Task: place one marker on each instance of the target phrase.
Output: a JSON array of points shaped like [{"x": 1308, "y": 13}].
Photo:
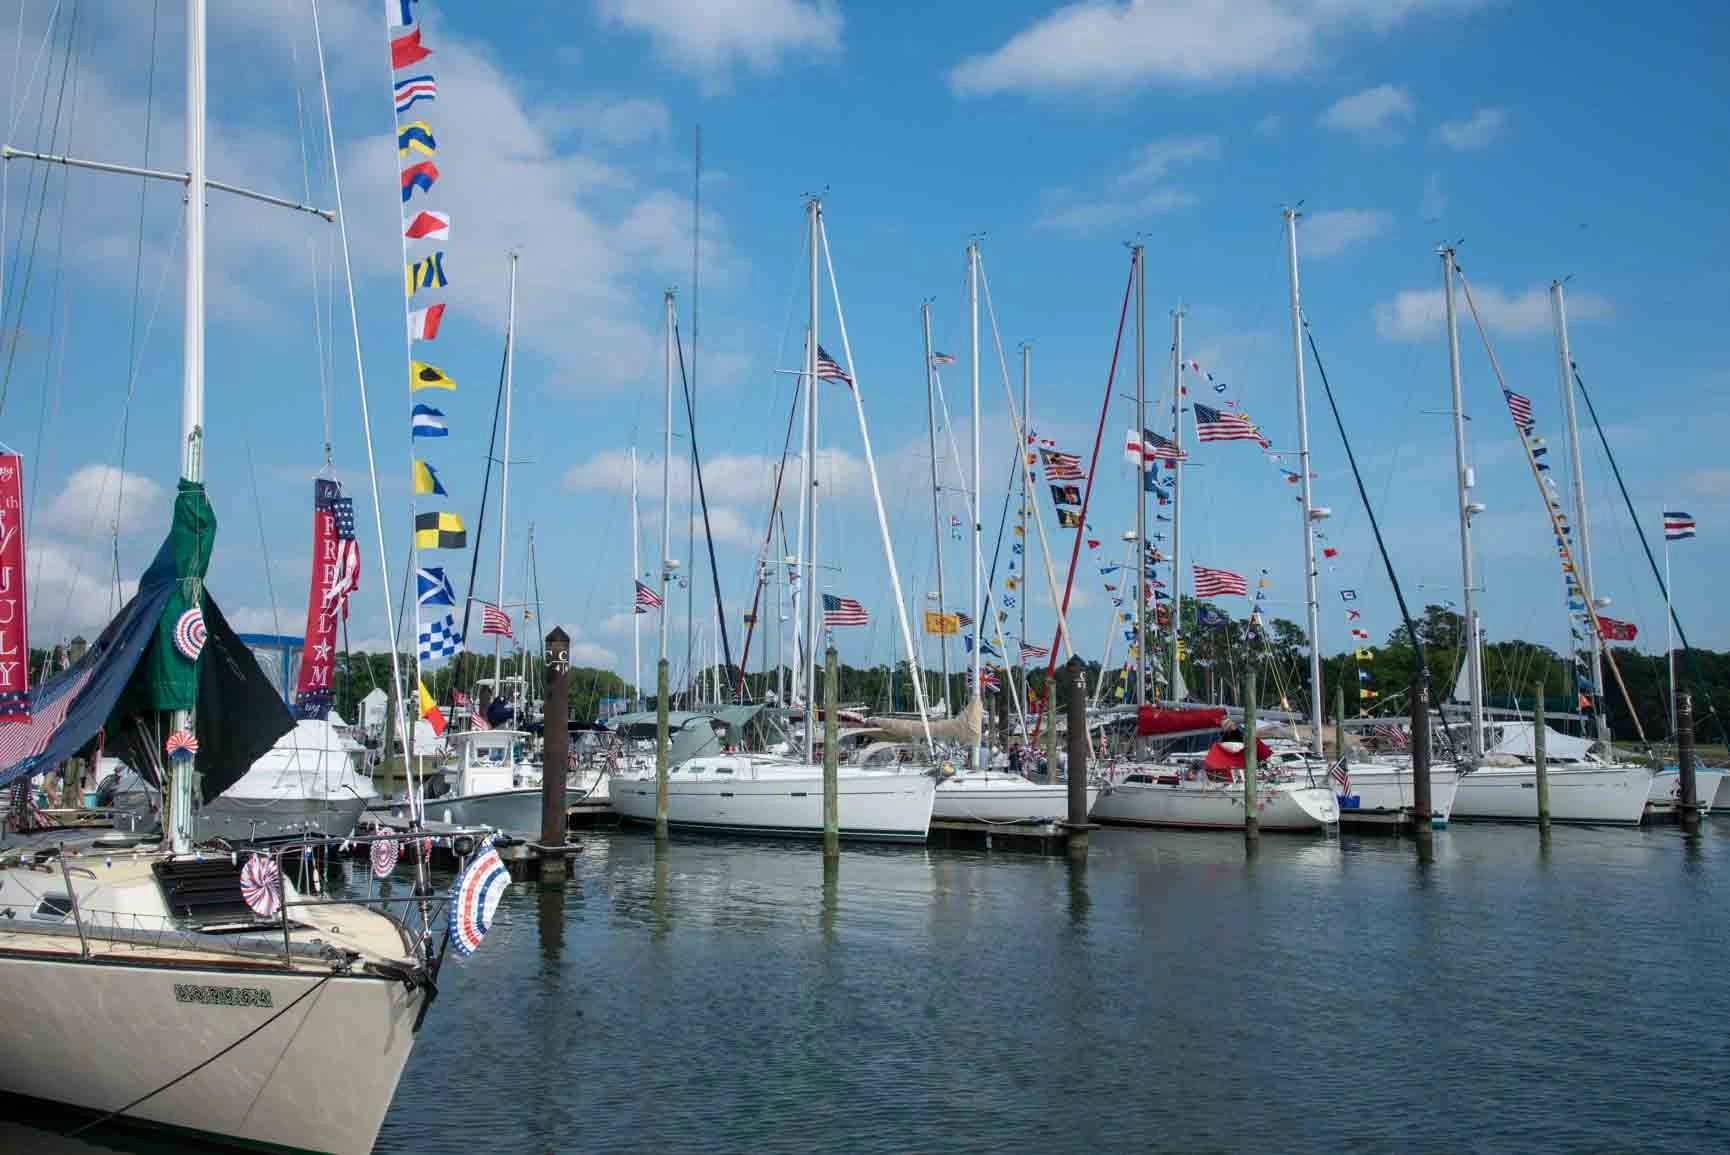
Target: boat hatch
[
  {"x": 207, "y": 891},
  {"x": 53, "y": 908}
]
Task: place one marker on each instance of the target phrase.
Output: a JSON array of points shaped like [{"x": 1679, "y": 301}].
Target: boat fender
[{"x": 947, "y": 770}]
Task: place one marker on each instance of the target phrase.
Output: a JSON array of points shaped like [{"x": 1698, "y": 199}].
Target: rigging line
[
  {"x": 1375, "y": 525},
  {"x": 187, "y": 1074},
  {"x": 1657, "y": 575},
  {"x": 263, "y": 541},
  {"x": 137, "y": 279},
  {"x": 326, "y": 385},
  {"x": 16, "y": 112},
  {"x": 702, "y": 494},
  {"x": 481, "y": 519},
  {"x": 41, "y": 200},
  {"x": 1563, "y": 548},
  {"x": 768, "y": 544},
  {"x": 1086, "y": 499}
]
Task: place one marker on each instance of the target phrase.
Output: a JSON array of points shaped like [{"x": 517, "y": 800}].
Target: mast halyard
[
  {"x": 1138, "y": 257},
  {"x": 1310, "y": 513},
  {"x": 636, "y": 611},
  {"x": 1577, "y": 484},
  {"x": 936, "y": 490},
  {"x": 505, "y": 474},
  {"x": 1463, "y": 479}
]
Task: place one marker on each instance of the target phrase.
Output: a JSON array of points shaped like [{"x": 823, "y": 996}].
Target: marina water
[{"x": 1167, "y": 995}]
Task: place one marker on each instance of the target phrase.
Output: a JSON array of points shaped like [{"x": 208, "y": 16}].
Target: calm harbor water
[{"x": 1167, "y": 995}]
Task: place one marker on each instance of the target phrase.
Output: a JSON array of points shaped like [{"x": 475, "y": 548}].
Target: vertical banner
[
  {"x": 14, "y": 627},
  {"x": 312, "y": 692}
]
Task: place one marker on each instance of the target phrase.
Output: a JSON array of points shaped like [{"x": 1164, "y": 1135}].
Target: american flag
[
  {"x": 1394, "y": 735},
  {"x": 1341, "y": 776},
  {"x": 1150, "y": 446},
  {"x": 647, "y": 599},
  {"x": 843, "y": 612},
  {"x": 1213, "y": 583},
  {"x": 20, "y": 741},
  {"x": 347, "y": 579},
  {"x": 458, "y": 698},
  {"x": 942, "y": 359},
  {"x": 1677, "y": 525},
  {"x": 1061, "y": 466},
  {"x": 1032, "y": 650},
  {"x": 1212, "y": 425},
  {"x": 1521, "y": 407},
  {"x": 828, "y": 370},
  {"x": 495, "y": 621}
]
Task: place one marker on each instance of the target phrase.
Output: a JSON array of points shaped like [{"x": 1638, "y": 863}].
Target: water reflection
[
  {"x": 550, "y": 918},
  {"x": 831, "y": 896},
  {"x": 1079, "y": 902}
]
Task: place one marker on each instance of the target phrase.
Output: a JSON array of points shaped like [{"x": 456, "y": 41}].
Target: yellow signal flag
[
  {"x": 424, "y": 376},
  {"x": 1367, "y": 693},
  {"x": 1364, "y": 654},
  {"x": 439, "y": 531},
  {"x": 942, "y": 625}
]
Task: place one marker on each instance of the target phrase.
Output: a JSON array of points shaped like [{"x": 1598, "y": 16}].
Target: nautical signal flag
[
  {"x": 429, "y": 226},
  {"x": 399, "y": 13},
  {"x": 422, "y": 176},
  {"x": 942, "y": 625},
  {"x": 423, "y": 324},
  {"x": 1364, "y": 654},
  {"x": 439, "y": 531},
  {"x": 1069, "y": 519},
  {"x": 1677, "y": 525},
  {"x": 412, "y": 89},
  {"x": 416, "y": 136},
  {"x": 429, "y": 422},
  {"x": 1066, "y": 494},
  {"x": 433, "y": 588},
  {"x": 426, "y": 480},
  {"x": 424, "y": 376},
  {"x": 429, "y": 710},
  {"x": 426, "y": 273},
  {"x": 406, "y": 50},
  {"x": 495, "y": 621}
]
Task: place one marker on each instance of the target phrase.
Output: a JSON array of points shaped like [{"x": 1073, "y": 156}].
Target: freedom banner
[{"x": 14, "y": 626}]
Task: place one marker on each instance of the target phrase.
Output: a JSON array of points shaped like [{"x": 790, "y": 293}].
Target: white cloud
[
  {"x": 622, "y": 120},
  {"x": 739, "y": 479},
  {"x": 1373, "y": 111},
  {"x": 84, "y": 509},
  {"x": 707, "y": 38},
  {"x": 592, "y": 654},
  {"x": 71, "y": 592},
  {"x": 1697, "y": 482},
  {"x": 1138, "y": 192},
  {"x": 1418, "y": 314},
  {"x": 1113, "y": 45},
  {"x": 1334, "y": 231},
  {"x": 1485, "y": 126}
]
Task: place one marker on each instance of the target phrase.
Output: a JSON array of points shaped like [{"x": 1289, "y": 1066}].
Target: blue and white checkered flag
[{"x": 439, "y": 639}]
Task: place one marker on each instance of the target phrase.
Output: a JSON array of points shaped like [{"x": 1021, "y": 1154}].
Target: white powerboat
[
  {"x": 765, "y": 794},
  {"x": 1666, "y": 789},
  {"x": 490, "y": 786}
]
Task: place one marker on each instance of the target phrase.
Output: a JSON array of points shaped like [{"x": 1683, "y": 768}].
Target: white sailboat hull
[
  {"x": 513, "y": 812},
  {"x": 1384, "y": 794},
  {"x": 100, "y": 1035},
  {"x": 1588, "y": 794},
  {"x": 877, "y": 807},
  {"x": 1000, "y": 797},
  {"x": 1666, "y": 789},
  {"x": 1210, "y": 806}
]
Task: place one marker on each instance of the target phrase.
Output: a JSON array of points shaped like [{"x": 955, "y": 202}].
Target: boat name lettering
[{"x": 215, "y": 996}]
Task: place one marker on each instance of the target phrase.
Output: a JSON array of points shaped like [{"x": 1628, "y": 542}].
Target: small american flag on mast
[
  {"x": 495, "y": 621},
  {"x": 1213, "y": 583},
  {"x": 829, "y": 370},
  {"x": 1520, "y": 406},
  {"x": 843, "y": 612},
  {"x": 1213, "y": 425},
  {"x": 647, "y": 599},
  {"x": 1033, "y": 650}
]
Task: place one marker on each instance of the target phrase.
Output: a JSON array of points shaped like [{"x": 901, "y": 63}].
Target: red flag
[
  {"x": 1329, "y": 551},
  {"x": 406, "y": 50},
  {"x": 14, "y": 633}
]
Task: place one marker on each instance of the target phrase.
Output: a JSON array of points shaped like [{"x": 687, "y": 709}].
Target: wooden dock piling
[
  {"x": 831, "y": 755},
  {"x": 1251, "y": 815},
  {"x": 1074, "y": 683},
  {"x": 1540, "y": 763},
  {"x": 1421, "y": 754},
  {"x": 551, "y": 851},
  {"x": 1688, "y": 805}
]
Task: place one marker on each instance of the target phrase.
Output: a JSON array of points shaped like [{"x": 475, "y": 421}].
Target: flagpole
[
  {"x": 1137, "y": 255},
  {"x": 1669, "y": 635},
  {"x": 1577, "y": 483},
  {"x": 636, "y": 616},
  {"x": 505, "y": 476},
  {"x": 936, "y": 511},
  {"x": 1462, "y": 479},
  {"x": 1309, "y": 512}
]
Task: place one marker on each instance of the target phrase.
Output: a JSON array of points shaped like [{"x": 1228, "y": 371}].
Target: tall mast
[
  {"x": 192, "y": 381},
  {"x": 936, "y": 510},
  {"x": 1582, "y": 546},
  {"x": 1022, "y": 449},
  {"x": 636, "y": 617},
  {"x": 1175, "y": 682},
  {"x": 1137, "y": 255},
  {"x": 666, "y": 478},
  {"x": 691, "y": 486},
  {"x": 1463, "y": 478},
  {"x": 505, "y": 476},
  {"x": 1303, "y": 413},
  {"x": 973, "y": 506},
  {"x": 808, "y": 566}
]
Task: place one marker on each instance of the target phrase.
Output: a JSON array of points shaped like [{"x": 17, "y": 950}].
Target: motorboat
[{"x": 491, "y": 785}]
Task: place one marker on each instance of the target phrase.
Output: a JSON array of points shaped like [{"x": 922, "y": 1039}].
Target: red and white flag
[
  {"x": 495, "y": 621},
  {"x": 14, "y": 602},
  {"x": 429, "y": 226},
  {"x": 423, "y": 324}
]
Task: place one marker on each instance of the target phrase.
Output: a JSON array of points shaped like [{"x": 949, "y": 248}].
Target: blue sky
[{"x": 1581, "y": 149}]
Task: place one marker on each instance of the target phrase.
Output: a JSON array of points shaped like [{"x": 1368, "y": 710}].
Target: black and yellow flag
[
  {"x": 1069, "y": 519},
  {"x": 439, "y": 531},
  {"x": 424, "y": 376}
]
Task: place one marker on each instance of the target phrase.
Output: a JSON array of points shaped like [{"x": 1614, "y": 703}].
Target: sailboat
[
  {"x": 1503, "y": 784},
  {"x": 745, "y": 793},
  {"x": 168, "y": 983}
]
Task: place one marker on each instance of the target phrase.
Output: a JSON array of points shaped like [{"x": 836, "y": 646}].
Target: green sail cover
[{"x": 168, "y": 677}]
